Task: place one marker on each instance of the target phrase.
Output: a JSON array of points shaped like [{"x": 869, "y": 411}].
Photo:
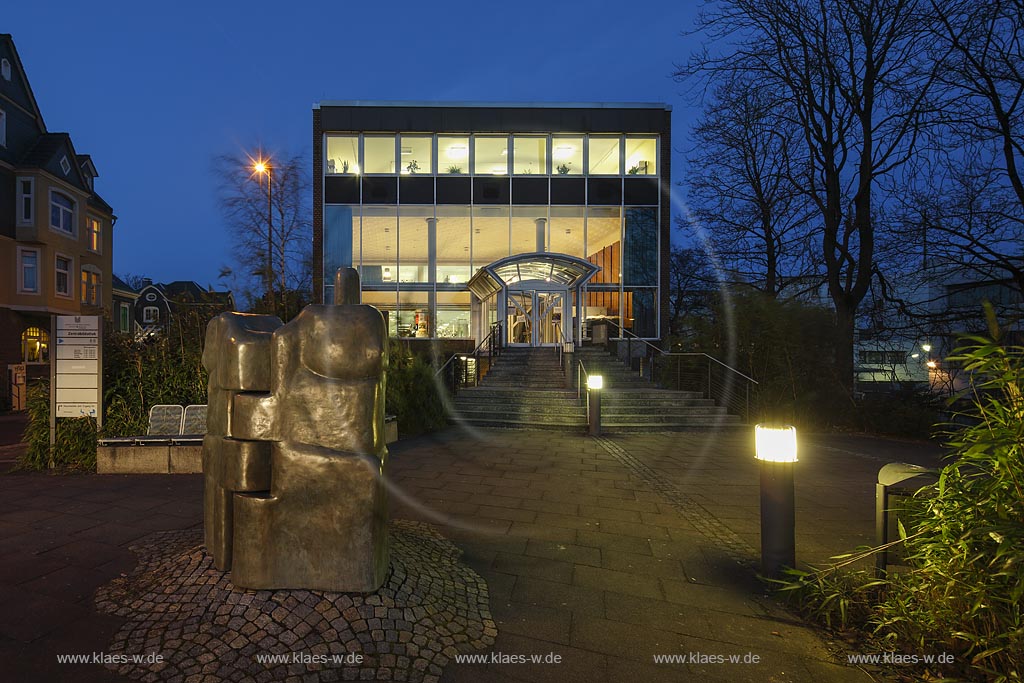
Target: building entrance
[{"x": 534, "y": 318}]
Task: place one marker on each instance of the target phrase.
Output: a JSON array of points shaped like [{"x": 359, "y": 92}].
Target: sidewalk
[{"x": 603, "y": 553}]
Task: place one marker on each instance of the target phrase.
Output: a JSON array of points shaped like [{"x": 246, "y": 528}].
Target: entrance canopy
[{"x": 559, "y": 269}]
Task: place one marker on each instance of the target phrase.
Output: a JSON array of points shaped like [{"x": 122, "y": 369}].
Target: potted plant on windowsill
[
  {"x": 412, "y": 166},
  {"x": 454, "y": 169},
  {"x": 563, "y": 169}
]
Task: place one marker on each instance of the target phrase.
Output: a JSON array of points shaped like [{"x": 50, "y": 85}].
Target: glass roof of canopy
[{"x": 560, "y": 269}]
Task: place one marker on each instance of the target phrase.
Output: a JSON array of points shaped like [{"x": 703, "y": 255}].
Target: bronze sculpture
[{"x": 294, "y": 453}]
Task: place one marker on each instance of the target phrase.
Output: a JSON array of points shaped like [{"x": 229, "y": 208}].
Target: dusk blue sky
[{"x": 153, "y": 91}]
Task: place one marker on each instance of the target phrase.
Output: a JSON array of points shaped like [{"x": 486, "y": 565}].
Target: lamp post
[
  {"x": 263, "y": 167},
  {"x": 775, "y": 449}
]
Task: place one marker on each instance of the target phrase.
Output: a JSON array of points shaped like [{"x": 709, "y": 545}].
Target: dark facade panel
[
  {"x": 491, "y": 190},
  {"x": 380, "y": 190},
  {"x": 604, "y": 191},
  {"x": 341, "y": 189},
  {"x": 492, "y": 119},
  {"x": 416, "y": 190},
  {"x": 530, "y": 191},
  {"x": 454, "y": 190},
  {"x": 568, "y": 191},
  {"x": 641, "y": 191}
]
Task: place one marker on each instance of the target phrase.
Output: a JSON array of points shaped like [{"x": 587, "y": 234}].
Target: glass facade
[{"x": 415, "y": 256}]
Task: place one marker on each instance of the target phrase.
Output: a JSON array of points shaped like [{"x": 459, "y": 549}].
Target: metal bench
[{"x": 169, "y": 425}]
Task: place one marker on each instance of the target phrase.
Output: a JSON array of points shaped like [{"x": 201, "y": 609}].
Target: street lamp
[
  {"x": 261, "y": 167},
  {"x": 775, "y": 449}
]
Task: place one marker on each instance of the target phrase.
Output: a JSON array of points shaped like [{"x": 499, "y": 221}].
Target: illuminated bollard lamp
[
  {"x": 775, "y": 449},
  {"x": 594, "y": 385}
]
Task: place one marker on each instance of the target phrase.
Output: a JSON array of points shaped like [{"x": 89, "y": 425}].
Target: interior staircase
[{"x": 526, "y": 388}]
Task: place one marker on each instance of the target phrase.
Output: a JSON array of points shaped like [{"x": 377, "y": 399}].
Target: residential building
[
  {"x": 123, "y": 310},
  {"x": 157, "y": 303},
  {"x": 463, "y": 218},
  {"x": 56, "y": 232}
]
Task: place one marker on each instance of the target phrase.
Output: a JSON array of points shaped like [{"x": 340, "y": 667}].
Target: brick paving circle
[{"x": 178, "y": 605}]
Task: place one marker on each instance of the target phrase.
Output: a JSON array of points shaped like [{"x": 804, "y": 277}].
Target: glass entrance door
[
  {"x": 534, "y": 318},
  {"x": 519, "y": 322}
]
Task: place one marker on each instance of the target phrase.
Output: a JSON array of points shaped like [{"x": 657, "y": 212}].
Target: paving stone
[
  {"x": 616, "y": 582},
  {"x": 450, "y": 604}
]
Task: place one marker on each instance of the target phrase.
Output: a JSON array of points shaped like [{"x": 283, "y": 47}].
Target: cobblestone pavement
[{"x": 176, "y": 602}]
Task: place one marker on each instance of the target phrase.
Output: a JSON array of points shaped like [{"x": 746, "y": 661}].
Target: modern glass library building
[{"x": 540, "y": 217}]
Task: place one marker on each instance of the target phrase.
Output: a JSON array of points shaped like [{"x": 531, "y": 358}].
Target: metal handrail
[
  {"x": 581, "y": 372},
  {"x": 723, "y": 392},
  {"x": 710, "y": 357},
  {"x": 560, "y": 342},
  {"x": 493, "y": 343}
]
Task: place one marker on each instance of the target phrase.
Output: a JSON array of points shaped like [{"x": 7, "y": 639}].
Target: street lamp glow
[
  {"x": 260, "y": 167},
  {"x": 775, "y": 444},
  {"x": 595, "y": 382}
]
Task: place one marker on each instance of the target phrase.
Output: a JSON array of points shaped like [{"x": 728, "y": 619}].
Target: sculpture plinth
[{"x": 294, "y": 453}]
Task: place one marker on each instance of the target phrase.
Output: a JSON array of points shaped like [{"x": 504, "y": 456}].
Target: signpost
[{"x": 76, "y": 370}]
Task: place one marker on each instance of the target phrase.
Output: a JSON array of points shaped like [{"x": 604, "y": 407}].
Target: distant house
[
  {"x": 56, "y": 232},
  {"x": 123, "y": 306},
  {"x": 157, "y": 303}
]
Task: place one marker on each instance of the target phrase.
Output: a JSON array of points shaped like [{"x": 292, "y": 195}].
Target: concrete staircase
[{"x": 526, "y": 388}]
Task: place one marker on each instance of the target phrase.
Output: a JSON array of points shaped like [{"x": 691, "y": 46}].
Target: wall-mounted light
[
  {"x": 915, "y": 355},
  {"x": 926, "y": 347},
  {"x": 386, "y": 275},
  {"x": 932, "y": 364}
]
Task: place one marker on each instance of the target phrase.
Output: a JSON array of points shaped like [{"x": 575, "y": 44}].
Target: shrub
[
  {"x": 75, "y": 439},
  {"x": 911, "y": 411},
  {"x": 964, "y": 540},
  {"x": 412, "y": 392}
]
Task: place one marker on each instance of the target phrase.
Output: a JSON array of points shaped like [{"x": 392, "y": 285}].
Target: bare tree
[
  {"x": 692, "y": 288},
  {"x": 972, "y": 210},
  {"x": 742, "y": 189},
  {"x": 856, "y": 75},
  {"x": 243, "y": 197}
]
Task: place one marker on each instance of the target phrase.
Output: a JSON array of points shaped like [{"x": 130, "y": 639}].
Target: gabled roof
[
  {"x": 20, "y": 68},
  {"x": 192, "y": 290},
  {"x": 44, "y": 150},
  {"x": 121, "y": 285}
]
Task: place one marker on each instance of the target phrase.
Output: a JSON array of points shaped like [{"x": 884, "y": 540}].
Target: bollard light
[
  {"x": 775, "y": 449},
  {"x": 594, "y": 385},
  {"x": 775, "y": 444}
]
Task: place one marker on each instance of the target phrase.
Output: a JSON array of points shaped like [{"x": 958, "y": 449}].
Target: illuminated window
[
  {"x": 566, "y": 156},
  {"x": 379, "y": 154},
  {"x": 604, "y": 156},
  {"x": 490, "y": 155},
  {"x": 91, "y": 287},
  {"x": 342, "y": 154},
  {"x": 417, "y": 154},
  {"x": 28, "y": 272},
  {"x": 529, "y": 155},
  {"x": 62, "y": 271},
  {"x": 641, "y": 156},
  {"x": 452, "y": 155},
  {"x": 62, "y": 213},
  {"x": 95, "y": 234},
  {"x": 35, "y": 345}
]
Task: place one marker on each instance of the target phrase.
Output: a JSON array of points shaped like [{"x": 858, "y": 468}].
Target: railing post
[{"x": 709, "y": 378}]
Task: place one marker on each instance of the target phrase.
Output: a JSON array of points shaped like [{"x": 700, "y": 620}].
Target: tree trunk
[{"x": 845, "y": 317}]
